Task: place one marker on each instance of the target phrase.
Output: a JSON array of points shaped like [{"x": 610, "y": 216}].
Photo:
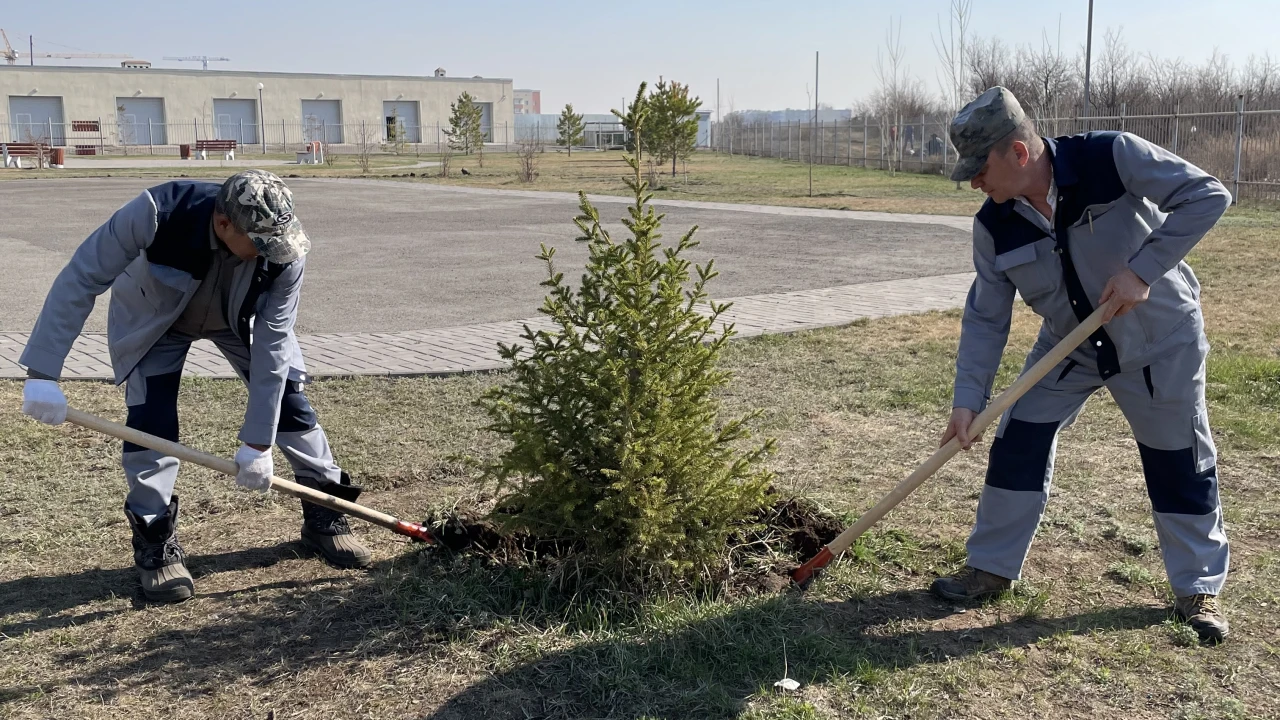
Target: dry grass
[
  {"x": 723, "y": 178},
  {"x": 427, "y": 635},
  {"x": 707, "y": 176}
]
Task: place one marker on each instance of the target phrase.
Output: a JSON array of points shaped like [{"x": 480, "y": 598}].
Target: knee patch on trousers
[
  {"x": 1173, "y": 484},
  {"x": 296, "y": 414},
  {"x": 1019, "y": 458},
  {"x": 158, "y": 413}
]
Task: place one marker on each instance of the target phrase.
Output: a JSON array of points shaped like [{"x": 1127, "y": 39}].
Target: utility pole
[
  {"x": 1088, "y": 57},
  {"x": 718, "y": 118},
  {"x": 813, "y": 122},
  {"x": 31, "y": 49}
]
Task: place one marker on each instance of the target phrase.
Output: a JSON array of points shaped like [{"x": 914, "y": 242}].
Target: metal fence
[
  {"x": 125, "y": 136},
  {"x": 1241, "y": 147}
]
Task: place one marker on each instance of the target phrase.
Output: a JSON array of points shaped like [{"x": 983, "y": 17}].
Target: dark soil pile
[{"x": 758, "y": 560}]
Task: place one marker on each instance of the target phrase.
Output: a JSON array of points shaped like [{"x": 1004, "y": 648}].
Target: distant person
[
  {"x": 191, "y": 260},
  {"x": 1070, "y": 224},
  {"x": 909, "y": 138},
  {"x": 934, "y": 146}
]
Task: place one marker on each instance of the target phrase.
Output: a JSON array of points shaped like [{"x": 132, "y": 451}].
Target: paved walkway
[{"x": 473, "y": 348}]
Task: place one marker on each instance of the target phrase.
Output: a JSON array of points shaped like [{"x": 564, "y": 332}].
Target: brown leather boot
[
  {"x": 162, "y": 566},
  {"x": 327, "y": 532},
  {"x": 970, "y": 584},
  {"x": 1204, "y": 615}
]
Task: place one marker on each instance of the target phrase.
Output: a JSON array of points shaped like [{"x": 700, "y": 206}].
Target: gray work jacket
[
  {"x": 1123, "y": 203},
  {"x": 153, "y": 254}
]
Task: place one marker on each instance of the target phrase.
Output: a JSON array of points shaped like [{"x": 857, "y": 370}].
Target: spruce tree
[
  {"x": 673, "y": 131},
  {"x": 465, "y": 132},
  {"x": 613, "y": 416},
  {"x": 569, "y": 128}
]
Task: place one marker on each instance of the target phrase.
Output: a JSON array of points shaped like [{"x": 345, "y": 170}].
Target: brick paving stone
[{"x": 474, "y": 348}]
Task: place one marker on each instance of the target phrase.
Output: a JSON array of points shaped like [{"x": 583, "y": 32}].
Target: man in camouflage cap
[
  {"x": 1070, "y": 224},
  {"x": 185, "y": 261}
]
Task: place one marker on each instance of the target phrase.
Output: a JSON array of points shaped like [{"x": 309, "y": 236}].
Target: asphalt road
[{"x": 393, "y": 256}]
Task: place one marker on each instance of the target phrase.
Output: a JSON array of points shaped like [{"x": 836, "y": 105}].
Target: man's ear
[{"x": 1021, "y": 152}]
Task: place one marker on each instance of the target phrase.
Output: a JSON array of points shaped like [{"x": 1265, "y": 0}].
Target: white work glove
[
  {"x": 254, "y": 468},
  {"x": 44, "y": 401}
]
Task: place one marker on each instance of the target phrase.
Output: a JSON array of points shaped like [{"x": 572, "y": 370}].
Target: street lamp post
[
  {"x": 1088, "y": 56},
  {"x": 262, "y": 130}
]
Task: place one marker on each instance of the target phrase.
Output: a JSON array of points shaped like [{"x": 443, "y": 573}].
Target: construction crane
[
  {"x": 203, "y": 59},
  {"x": 11, "y": 55}
]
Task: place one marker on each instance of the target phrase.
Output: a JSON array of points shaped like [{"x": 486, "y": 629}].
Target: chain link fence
[{"x": 1240, "y": 147}]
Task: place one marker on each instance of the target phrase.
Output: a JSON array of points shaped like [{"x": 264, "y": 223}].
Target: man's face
[
  {"x": 1004, "y": 175},
  {"x": 236, "y": 240}
]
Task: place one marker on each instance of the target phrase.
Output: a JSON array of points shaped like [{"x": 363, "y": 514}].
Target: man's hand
[
  {"x": 1127, "y": 290},
  {"x": 254, "y": 468},
  {"x": 44, "y": 401},
  {"x": 958, "y": 427}
]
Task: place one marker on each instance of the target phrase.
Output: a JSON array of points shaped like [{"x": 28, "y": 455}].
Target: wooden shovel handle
[
  {"x": 228, "y": 467},
  {"x": 993, "y": 411}
]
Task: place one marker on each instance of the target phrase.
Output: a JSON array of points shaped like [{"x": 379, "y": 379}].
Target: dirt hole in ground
[{"x": 788, "y": 532}]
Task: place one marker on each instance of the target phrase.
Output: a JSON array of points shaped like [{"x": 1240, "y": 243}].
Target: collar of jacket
[{"x": 1064, "y": 172}]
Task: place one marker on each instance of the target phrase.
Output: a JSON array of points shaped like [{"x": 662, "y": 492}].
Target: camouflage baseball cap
[
  {"x": 979, "y": 126},
  {"x": 260, "y": 204}
]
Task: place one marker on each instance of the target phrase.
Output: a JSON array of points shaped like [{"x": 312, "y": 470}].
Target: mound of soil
[{"x": 789, "y": 532}]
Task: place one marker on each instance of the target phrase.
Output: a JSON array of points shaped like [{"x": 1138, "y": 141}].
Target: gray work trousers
[
  {"x": 1165, "y": 406},
  {"x": 151, "y": 394}
]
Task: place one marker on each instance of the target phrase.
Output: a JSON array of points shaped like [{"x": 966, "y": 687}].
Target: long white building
[{"x": 100, "y": 107}]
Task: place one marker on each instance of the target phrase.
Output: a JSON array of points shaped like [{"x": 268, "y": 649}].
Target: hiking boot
[
  {"x": 162, "y": 566},
  {"x": 970, "y": 584},
  {"x": 327, "y": 532},
  {"x": 1204, "y": 615}
]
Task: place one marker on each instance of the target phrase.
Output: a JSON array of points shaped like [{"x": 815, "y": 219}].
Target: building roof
[{"x": 225, "y": 73}]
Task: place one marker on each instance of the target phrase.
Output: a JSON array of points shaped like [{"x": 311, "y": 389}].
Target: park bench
[
  {"x": 14, "y": 152},
  {"x": 226, "y": 147},
  {"x": 312, "y": 155}
]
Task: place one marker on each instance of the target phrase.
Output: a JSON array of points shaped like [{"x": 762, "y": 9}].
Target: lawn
[
  {"x": 427, "y": 634},
  {"x": 706, "y": 176}
]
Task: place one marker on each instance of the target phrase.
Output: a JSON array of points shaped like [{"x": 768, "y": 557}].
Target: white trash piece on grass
[{"x": 786, "y": 685}]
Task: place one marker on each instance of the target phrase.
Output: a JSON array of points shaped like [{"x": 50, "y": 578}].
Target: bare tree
[
  {"x": 1052, "y": 76},
  {"x": 1116, "y": 80},
  {"x": 989, "y": 61},
  {"x": 528, "y": 152},
  {"x": 1260, "y": 80},
  {"x": 446, "y": 157},
  {"x": 1170, "y": 80},
  {"x": 953, "y": 54},
  {"x": 367, "y": 141},
  {"x": 891, "y": 71}
]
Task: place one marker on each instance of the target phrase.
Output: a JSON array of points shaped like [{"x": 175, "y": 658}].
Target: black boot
[
  {"x": 327, "y": 532},
  {"x": 162, "y": 567}
]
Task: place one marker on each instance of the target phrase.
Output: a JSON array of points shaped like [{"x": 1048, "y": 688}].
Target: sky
[{"x": 592, "y": 54}]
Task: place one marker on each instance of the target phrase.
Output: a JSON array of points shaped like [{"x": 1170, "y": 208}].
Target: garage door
[
  {"x": 140, "y": 121},
  {"x": 404, "y": 113},
  {"x": 36, "y": 119},
  {"x": 322, "y": 120},
  {"x": 486, "y": 120},
  {"x": 235, "y": 119}
]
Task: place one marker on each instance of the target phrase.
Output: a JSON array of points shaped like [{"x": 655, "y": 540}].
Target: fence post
[
  {"x": 1235, "y": 194},
  {"x": 195, "y": 130},
  {"x": 919, "y": 148},
  {"x": 102, "y": 150},
  {"x": 284, "y": 137},
  {"x": 866, "y": 127},
  {"x": 848, "y": 138},
  {"x": 1176, "y": 108},
  {"x": 151, "y": 143}
]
